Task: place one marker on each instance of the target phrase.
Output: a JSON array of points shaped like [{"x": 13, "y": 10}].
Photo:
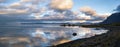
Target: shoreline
[{"x": 109, "y": 39}]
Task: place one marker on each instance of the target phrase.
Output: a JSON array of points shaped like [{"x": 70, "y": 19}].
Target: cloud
[
  {"x": 53, "y": 16},
  {"x": 12, "y": 11},
  {"x": 58, "y": 14},
  {"x": 14, "y": 14},
  {"x": 61, "y": 4},
  {"x": 83, "y": 16},
  {"x": 32, "y": 7},
  {"x": 104, "y": 15},
  {"x": 2, "y": 0},
  {"x": 14, "y": 8},
  {"x": 25, "y": 0},
  {"x": 57, "y": 9},
  {"x": 21, "y": 7},
  {"x": 75, "y": 13},
  {"x": 88, "y": 11},
  {"x": 16, "y": 4},
  {"x": 37, "y": 1},
  {"x": 34, "y": 2},
  {"x": 2, "y": 7},
  {"x": 118, "y": 9}
]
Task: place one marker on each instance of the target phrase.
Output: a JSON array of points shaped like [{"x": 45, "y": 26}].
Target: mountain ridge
[{"x": 114, "y": 18}]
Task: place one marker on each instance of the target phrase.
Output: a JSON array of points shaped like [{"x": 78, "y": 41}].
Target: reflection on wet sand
[{"x": 43, "y": 37}]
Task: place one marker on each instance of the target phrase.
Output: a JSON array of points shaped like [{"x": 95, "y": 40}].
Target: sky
[
  {"x": 57, "y": 9},
  {"x": 101, "y": 6}
]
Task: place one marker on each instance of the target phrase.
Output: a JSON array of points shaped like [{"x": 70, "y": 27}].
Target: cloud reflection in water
[
  {"x": 61, "y": 35},
  {"x": 47, "y": 36}
]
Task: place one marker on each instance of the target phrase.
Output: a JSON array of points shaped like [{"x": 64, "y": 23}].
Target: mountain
[{"x": 114, "y": 18}]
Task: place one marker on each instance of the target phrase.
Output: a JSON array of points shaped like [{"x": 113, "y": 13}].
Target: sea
[{"x": 43, "y": 35}]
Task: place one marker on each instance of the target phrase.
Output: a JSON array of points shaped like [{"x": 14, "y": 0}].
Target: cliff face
[{"x": 114, "y": 18}]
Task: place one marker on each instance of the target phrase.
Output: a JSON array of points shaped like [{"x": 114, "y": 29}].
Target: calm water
[{"x": 43, "y": 36}]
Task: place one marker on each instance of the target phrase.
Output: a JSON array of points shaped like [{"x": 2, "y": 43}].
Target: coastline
[{"x": 109, "y": 39}]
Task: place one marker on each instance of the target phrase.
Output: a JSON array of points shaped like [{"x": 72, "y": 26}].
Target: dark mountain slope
[{"x": 114, "y": 18}]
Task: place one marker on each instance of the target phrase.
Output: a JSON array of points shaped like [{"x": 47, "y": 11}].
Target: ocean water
[{"x": 43, "y": 35}]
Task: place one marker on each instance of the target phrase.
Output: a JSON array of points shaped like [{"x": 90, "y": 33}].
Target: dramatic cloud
[
  {"x": 88, "y": 11},
  {"x": 93, "y": 14},
  {"x": 60, "y": 9},
  {"x": 47, "y": 9},
  {"x": 22, "y": 8},
  {"x": 61, "y": 4},
  {"x": 55, "y": 14}
]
